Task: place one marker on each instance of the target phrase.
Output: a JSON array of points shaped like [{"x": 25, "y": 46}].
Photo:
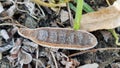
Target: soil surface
[{"x": 43, "y": 57}]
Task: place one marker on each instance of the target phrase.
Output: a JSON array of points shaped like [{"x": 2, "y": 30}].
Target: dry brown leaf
[{"x": 106, "y": 18}]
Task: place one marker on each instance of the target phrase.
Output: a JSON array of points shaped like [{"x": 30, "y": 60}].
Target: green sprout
[
  {"x": 78, "y": 15},
  {"x": 80, "y": 5}
]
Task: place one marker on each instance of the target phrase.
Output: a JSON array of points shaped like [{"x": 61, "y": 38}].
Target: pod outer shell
[{"x": 63, "y": 38}]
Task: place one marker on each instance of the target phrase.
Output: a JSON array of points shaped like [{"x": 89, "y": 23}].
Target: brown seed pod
[{"x": 64, "y": 38}]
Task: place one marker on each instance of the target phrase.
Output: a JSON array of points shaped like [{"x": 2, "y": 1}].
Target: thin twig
[
  {"x": 43, "y": 14},
  {"x": 37, "y": 54},
  {"x": 48, "y": 4},
  {"x": 108, "y": 2},
  {"x": 70, "y": 15},
  {"x": 13, "y": 24},
  {"x": 39, "y": 62},
  {"x": 56, "y": 65},
  {"x": 92, "y": 50}
]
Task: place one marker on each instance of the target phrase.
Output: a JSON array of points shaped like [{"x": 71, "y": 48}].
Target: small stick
[
  {"x": 37, "y": 54},
  {"x": 53, "y": 56},
  {"x": 108, "y": 2},
  {"x": 93, "y": 50},
  {"x": 48, "y": 4},
  {"x": 70, "y": 15}
]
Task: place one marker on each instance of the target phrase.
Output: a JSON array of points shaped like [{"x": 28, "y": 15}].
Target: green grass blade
[
  {"x": 87, "y": 8},
  {"x": 78, "y": 15},
  {"x": 72, "y": 7}
]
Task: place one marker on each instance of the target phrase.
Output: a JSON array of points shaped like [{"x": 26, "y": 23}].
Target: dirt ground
[{"x": 24, "y": 50}]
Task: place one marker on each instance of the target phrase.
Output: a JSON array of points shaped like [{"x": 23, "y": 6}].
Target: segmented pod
[{"x": 64, "y": 38}]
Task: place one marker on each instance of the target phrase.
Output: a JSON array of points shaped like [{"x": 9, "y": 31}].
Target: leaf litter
[{"x": 21, "y": 52}]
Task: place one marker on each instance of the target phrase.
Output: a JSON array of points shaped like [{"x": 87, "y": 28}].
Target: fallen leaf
[{"x": 106, "y": 18}]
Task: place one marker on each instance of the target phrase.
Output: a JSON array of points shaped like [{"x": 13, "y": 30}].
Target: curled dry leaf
[
  {"x": 106, "y": 18},
  {"x": 24, "y": 57},
  {"x": 4, "y": 34},
  {"x": 64, "y": 38}
]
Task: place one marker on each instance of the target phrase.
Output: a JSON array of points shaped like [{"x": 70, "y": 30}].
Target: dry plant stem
[
  {"x": 37, "y": 54},
  {"x": 7, "y": 17},
  {"x": 48, "y": 4},
  {"x": 43, "y": 14},
  {"x": 108, "y": 2},
  {"x": 0, "y": 55},
  {"x": 53, "y": 56},
  {"x": 70, "y": 15},
  {"x": 27, "y": 13},
  {"x": 92, "y": 50},
  {"x": 39, "y": 62},
  {"x": 116, "y": 36},
  {"x": 12, "y": 24}
]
